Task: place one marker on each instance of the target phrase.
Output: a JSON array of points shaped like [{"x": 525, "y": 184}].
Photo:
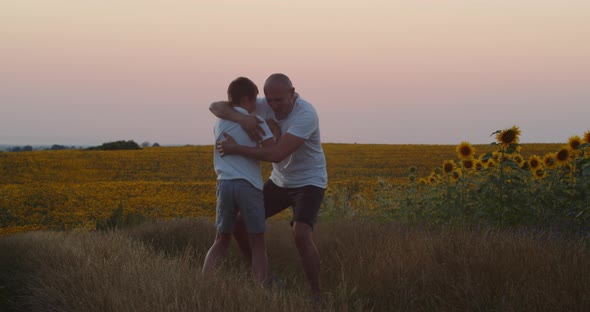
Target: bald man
[{"x": 299, "y": 177}]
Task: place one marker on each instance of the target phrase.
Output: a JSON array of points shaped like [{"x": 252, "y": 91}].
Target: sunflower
[
  {"x": 479, "y": 166},
  {"x": 562, "y": 157},
  {"x": 534, "y": 162},
  {"x": 518, "y": 159},
  {"x": 468, "y": 163},
  {"x": 491, "y": 163},
  {"x": 549, "y": 160},
  {"x": 465, "y": 150},
  {"x": 448, "y": 166},
  {"x": 482, "y": 159},
  {"x": 567, "y": 168},
  {"x": 587, "y": 137},
  {"x": 508, "y": 136},
  {"x": 432, "y": 179},
  {"x": 456, "y": 174},
  {"x": 496, "y": 156},
  {"x": 574, "y": 142},
  {"x": 539, "y": 173},
  {"x": 422, "y": 181},
  {"x": 412, "y": 169}
]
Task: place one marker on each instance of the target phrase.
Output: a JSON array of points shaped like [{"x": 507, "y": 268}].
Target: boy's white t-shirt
[
  {"x": 307, "y": 165},
  {"x": 231, "y": 167}
]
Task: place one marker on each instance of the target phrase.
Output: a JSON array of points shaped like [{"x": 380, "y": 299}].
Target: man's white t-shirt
[
  {"x": 307, "y": 165},
  {"x": 231, "y": 167}
]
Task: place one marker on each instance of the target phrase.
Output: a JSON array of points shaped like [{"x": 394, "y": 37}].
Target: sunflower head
[
  {"x": 587, "y": 136},
  {"x": 432, "y": 179},
  {"x": 482, "y": 159},
  {"x": 448, "y": 166},
  {"x": 534, "y": 162},
  {"x": 518, "y": 159},
  {"x": 456, "y": 174},
  {"x": 549, "y": 160},
  {"x": 412, "y": 169},
  {"x": 508, "y": 136},
  {"x": 479, "y": 166},
  {"x": 562, "y": 157},
  {"x": 468, "y": 163},
  {"x": 539, "y": 173},
  {"x": 574, "y": 142},
  {"x": 465, "y": 150},
  {"x": 496, "y": 156}
]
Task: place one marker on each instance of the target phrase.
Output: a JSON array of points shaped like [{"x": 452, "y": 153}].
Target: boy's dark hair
[{"x": 240, "y": 87}]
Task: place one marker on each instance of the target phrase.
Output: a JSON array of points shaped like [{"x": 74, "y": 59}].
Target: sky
[{"x": 84, "y": 72}]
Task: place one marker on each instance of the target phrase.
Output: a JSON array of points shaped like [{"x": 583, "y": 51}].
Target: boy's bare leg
[
  {"x": 259, "y": 258},
  {"x": 241, "y": 236},
  {"x": 216, "y": 251},
  {"x": 310, "y": 257}
]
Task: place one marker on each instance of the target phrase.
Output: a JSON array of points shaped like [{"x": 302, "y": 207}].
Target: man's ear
[{"x": 292, "y": 92}]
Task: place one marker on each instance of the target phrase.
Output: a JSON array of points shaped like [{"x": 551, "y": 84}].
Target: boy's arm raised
[{"x": 249, "y": 123}]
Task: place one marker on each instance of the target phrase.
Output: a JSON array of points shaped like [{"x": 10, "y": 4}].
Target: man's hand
[
  {"x": 251, "y": 124},
  {"x": 227, "y": 146},
  {"x": 274, "y": 128}
]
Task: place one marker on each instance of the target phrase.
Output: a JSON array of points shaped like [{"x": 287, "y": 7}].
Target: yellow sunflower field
[{"x": 504, "y": 182}]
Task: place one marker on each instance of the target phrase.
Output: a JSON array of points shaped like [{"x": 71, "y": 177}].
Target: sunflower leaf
[{"x": 495, "y": 132}]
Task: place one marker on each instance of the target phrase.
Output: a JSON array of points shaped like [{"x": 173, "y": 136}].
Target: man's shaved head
[
  {"x": 279, "y": 94},
  {"x": 281, "y": 79}
]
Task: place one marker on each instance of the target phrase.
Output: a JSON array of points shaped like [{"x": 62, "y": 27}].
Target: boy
[{"x": 239, "y": 184}]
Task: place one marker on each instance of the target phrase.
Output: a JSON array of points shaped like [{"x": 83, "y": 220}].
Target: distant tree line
[
  {"x": 26, "y": 148},
  {"x": 30, "y": 148},
  {"x": 116, "y": 145}
]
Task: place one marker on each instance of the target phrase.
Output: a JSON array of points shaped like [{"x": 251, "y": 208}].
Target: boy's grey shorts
[{"x": 235, "y": 196}]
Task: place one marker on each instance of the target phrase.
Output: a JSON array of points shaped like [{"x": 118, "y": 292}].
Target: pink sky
[{"x": 86, "y": 72}]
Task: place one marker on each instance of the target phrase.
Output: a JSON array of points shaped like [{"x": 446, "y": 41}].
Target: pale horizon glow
[{"x": 394, "y": 72}]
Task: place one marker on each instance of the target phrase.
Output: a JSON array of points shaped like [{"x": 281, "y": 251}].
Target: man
[
  {"x": 239, "y": 185},
  {"x": 299, "y": 177}
]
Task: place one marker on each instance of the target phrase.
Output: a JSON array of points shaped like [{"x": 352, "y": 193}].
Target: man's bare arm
[
  {"x": 285, "y": 147},
  {"x": 249, "y": 123}
]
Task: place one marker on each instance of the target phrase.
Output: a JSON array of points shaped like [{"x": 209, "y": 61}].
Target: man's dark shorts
[{"x": 305, "y": 201}]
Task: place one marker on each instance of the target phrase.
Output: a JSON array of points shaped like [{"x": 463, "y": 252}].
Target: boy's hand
[
  {"x": 227, "y": 146},
  {"x": 250, "y": 124}
]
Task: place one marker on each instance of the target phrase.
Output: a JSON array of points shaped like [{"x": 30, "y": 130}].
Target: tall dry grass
[{"x": 365, "y": 266}]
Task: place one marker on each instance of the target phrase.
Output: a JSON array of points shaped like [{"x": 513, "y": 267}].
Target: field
[
  {"x": 127, "y": 231},
  {"x": 64, "y": 190}
]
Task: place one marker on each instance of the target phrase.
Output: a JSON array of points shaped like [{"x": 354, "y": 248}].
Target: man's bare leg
[
  {"x": 259, "y": 259},
  {"x": 310, "y": 257}
]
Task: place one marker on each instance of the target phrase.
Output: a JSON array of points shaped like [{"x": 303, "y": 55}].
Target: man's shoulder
[
  {"x": 305, "y": 109},
  {"x": 304, "y": 104}
]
